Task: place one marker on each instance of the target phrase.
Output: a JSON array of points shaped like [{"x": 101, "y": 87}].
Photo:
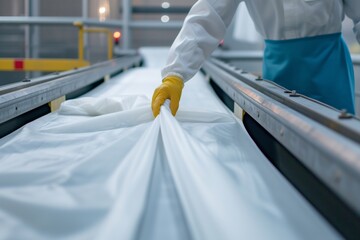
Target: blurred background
[{"x": 61, "y": 41}]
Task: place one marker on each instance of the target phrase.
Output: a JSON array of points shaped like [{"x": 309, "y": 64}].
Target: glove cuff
[{"x": 175, "y": 80}]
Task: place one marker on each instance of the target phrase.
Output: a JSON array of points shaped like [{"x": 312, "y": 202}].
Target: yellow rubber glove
[{"x": 170, "y": 88}]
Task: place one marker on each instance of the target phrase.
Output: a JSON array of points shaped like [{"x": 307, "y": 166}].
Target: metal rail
[
  {"x": 87, "y": 22},
  {"x": 318, "y": 141},
  {"x": 159, "y": 10},
  {"x": 356, "y": 59},
  {"x": 58, "y": 21},
  {"x": 16, "y": 99}
]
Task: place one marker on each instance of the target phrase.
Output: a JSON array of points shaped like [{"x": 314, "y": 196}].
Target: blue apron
[{"x": 319, "y": 67}]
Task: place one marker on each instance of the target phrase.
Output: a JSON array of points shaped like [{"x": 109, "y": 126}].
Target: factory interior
[{"x": 83, "y": 155}]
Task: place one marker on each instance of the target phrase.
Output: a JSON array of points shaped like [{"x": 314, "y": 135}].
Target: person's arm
[
  {"x": 352, "y": 10},
  {"x": 203, "y": 28},
  {"x": 202, "y": 31}
]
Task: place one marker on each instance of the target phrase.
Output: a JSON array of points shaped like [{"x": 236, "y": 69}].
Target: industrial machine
[{"x": 315, "y": 147}]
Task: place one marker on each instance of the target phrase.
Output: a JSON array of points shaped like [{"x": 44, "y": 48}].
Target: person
[{"x": 304, "y": 48}]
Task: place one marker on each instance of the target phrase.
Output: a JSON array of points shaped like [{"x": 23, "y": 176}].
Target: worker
[{"x": 304, "y": 48}]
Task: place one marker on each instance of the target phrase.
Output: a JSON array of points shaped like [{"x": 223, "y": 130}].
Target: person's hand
[{"x": 170, "y": 88}]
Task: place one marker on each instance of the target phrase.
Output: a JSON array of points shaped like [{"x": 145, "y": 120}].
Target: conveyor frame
[
  {"x": 19, "y": 98},
  {"x": 327, "y": 144}
]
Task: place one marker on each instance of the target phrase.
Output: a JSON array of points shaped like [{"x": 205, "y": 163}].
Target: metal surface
[
  {"x": 19, "y": 98},
  {"x": 85, "y": 15},
  {"x": 87, "y": 22},
  {"x": 356, "y": 62},
  {"x": 58, "y": 21},
  {"x": 85, "y": 9},
  {"x": 160, "y": 10},
  {"x": 356, "y": 59},
  {"x": 126, "y": 24},
  {"x": 331, "y": 156},
  {"x": 32, "y": 35},
  {"x": 156, "y": 24},
  {"x": 32, "y": 32}
]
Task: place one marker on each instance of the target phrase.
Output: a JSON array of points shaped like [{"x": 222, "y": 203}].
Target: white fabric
[
  {"x": 91, "y": 171},
  {"x": 207, "y": 21}
]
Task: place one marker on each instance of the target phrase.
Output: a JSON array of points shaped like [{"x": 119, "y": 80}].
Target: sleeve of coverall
[
  {"x": 203, "y": 28},
  {"x": 352, "y": 10}
]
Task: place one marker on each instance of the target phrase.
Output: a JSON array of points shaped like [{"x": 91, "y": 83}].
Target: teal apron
[{"x": 319, "y": 67}]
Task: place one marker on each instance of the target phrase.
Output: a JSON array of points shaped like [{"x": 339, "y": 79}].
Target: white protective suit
[{"x": 207, "y": 21}]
